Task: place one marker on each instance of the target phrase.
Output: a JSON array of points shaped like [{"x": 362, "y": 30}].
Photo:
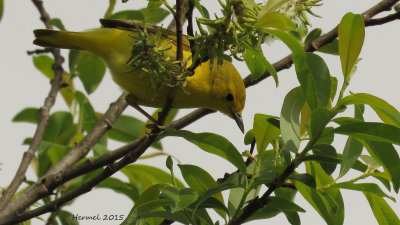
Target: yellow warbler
[{"x": 220, "y": 89}]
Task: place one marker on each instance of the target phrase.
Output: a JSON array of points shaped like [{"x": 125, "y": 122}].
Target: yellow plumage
[{"x": 221, "y": 88}]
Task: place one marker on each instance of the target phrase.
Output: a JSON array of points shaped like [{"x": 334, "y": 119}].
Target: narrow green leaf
[
  {"x": 67, "y": 218},
  {"x": 257, "y": 63},
  {"x": 110, "y": 8},
  {"x": 30, "y": 115},
  {"x": 305, "y": 178},
  {"x": 372, "y": 131},
  {"x": 249, "y": 137},
  {"x": 128, "y": 15},
  {"x": 275, "y": 20},
  {"x": 329, "y": 151},
  {"x": 314, "y": 34},
  {"x": 119, "y": 186},
  {"x": 330, "y": 48},
  {"x": 314, "y": 77},
  {"x": 264, "y": 131},
  {"x": 89, "y": 118},
  {"x": 179, "y": 198},
  {"x": 319, "y": 119},
  {"x": 200, "y": 181},
  {"x": 154, "y": 4},
  {"x": 57, "y": 23},
  {"x": 384, "y": 214},
  {"x": 388, "y": 157},
  {"x": 352, "y": 150},
  {"x": 73, "y": 56},
  {"x": 289, "y": 40},
  {"x": 143, "y": 176},
  {"x": 125, "y": 129},
  {"x": 271, "y": 6},
  {"x": 365, "y": 187},
  {"x": 154, "y": 16},
  {"x": 351, "y": 34},
  {"x": 44, "y": 64},
  {"x": 91, "y": 69},
  {"x": 211, "y": 143},
  {"x": 384, "y": 110},
  {"x": 203, "y": 10},
  {"x": 290, "y": 119}
]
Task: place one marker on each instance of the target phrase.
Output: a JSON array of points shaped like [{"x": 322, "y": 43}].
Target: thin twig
[
  {"x": 56, "y": 84},
  {"x": 39, "y": 51},
  {"x": 383, "y": 20},
  {"x": 179, "y": 31}
]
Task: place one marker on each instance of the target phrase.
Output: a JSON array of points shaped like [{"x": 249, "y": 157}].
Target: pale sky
[{"x": 24, "y": 86}]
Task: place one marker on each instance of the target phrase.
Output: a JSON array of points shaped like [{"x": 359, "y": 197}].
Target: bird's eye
[{"x": 229, "y": 97}]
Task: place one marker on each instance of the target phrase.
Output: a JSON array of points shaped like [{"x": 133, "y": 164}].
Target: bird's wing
[{"x": 133, "y": 24}]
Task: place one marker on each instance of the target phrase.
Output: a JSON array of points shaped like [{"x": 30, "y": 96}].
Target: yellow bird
[{"x": 220, "y": 89}]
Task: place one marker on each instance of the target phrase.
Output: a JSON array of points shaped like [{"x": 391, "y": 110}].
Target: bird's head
[{"x": 229, "y": 92}]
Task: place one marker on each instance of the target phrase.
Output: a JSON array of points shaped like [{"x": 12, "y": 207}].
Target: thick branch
[{"x": 56, "y": 84}]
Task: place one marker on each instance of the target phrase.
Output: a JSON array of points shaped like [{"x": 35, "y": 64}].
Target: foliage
[{"x": 303, "y": 134}]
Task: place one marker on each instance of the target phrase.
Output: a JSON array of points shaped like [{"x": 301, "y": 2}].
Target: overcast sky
[{"x": 23, "y": 86}]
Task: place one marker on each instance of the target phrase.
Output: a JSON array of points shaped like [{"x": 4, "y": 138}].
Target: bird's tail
[
  {"x": 58, "y": 39},
  {"x": 97, "y": 41}
]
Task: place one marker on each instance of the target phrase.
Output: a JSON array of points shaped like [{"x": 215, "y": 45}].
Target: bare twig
[
  {"x": 383, "y": 20},
  {"x": 56, "y": 84},
  {"x": 179, "y": 31},
  {"x": 39, "y": 51}
]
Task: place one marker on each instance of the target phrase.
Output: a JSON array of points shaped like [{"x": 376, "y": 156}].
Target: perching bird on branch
[{"x": 220, "y": 88}]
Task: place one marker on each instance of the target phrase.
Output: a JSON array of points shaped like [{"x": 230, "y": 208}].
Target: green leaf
[
  {"x": 351, "y": 34},
  {"x": 330, "y": 48},
  {"x": 271, "y": 6},
  {"x": 384, "y": 214},
  {"x": 384, "y": 110},
  {"x": 319, "y": 119},
  {"x": 120, "y": 187},
  {"x": 275, "y": 20},
  {"x": 289, "y": 40},
  {"x": 152, "y": 16},
  {"x": 154, "y": 4},
  {"x": 203, "y": 10},
  {"x": 200, "y": 181},
  {"x": 147, "y": 202},
  {"x": 314, "y": 34},
  {"x": 366, "y": 187},
  {"x": 249, "y": 137},
  {"x": 290, "y": 122},
  {"x": 265, "y": 131},
  {"x": 44, "y": 64},
  {"x": 329, "y": 151},
  {"x": 352, "y": 150},
  {"x": 179, "y": 198},
  {"x": 314, "y": 77},
  {"x": 110, "y": 8},
  {"x": 73, "y": 56},
  {"x": 57, "y": 23},
  {"x": 67, "y": 218},
  {"x": 143, "y": 176},
  {"x": 372, "y": 131},
  {"x": 89, "y": 118},
  {"x": 257, "y": 63},
  {"x": 91, "y": 69},
  {"x": 125, "y": 129},
  {"x": 328, "y": 203},
  {"x": 305, "y": 178},
  {"x": 388, "y": 157},
  {"x": 211, "y": 143},
  {"x": 29, "y": 115}
]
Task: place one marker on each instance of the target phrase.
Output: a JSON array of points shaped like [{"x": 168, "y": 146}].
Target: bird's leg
[{"x": 131, "y": 100}]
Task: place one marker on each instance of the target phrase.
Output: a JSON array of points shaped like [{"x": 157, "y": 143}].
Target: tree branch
[{"x": 56, "y": 84}]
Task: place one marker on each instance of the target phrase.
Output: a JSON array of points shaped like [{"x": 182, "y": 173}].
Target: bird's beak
[{"x": 238, "y": 119}]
